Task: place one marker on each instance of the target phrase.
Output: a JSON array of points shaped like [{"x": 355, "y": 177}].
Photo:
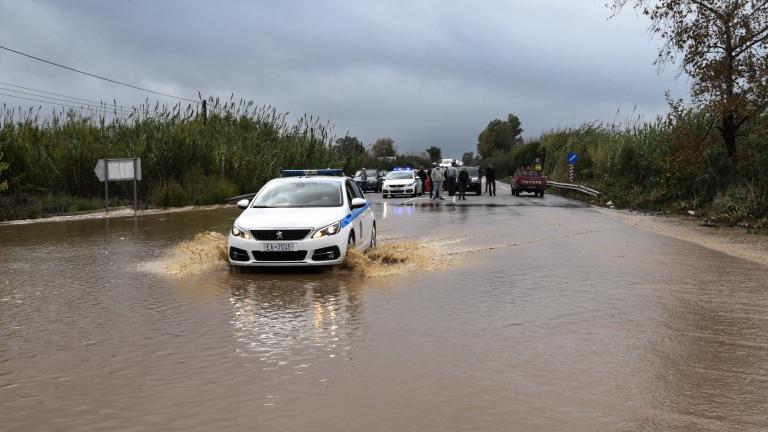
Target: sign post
[
  {"x": 124, "y": 169},
  {"x": 572, "y": 159}
]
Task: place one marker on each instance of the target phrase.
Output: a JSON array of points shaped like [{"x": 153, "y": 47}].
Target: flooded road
[{"x": 517, "y": 313}]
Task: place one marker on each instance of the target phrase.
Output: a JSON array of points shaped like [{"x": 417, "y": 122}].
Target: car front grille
[
  {"x": 280, "y": 256},
  {"x": 286, "y": 234}
]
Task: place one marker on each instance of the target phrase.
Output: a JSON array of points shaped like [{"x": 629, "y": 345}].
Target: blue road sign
[{"x": 572, "y": 158}]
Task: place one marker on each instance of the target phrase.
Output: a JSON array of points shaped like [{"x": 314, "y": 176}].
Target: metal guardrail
[{"x": 570, "y": 186}]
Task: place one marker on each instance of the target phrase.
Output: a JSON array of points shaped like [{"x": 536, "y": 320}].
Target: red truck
[{"x": 528, "y": 180}]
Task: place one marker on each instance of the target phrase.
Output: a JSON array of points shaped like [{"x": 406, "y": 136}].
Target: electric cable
[{"x": 96, "y": 76}]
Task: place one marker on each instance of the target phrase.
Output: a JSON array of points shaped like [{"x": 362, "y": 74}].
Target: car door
[{"x": 365, "y": 220}]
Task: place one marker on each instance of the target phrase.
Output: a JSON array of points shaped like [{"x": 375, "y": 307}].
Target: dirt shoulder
[
  {"x": 120, "y": 212},
  {"x": 730, "y": 240}
]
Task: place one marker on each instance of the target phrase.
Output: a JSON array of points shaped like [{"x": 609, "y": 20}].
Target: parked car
[
  {"x": 404, "y": 182},
  {"x": 528, "y": 180},
  {"x": 371, "y": 182},
  {"x": 474, "y": 184}
]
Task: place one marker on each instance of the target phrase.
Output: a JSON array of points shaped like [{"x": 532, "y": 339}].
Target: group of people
[{"x": 457, "y": 178}]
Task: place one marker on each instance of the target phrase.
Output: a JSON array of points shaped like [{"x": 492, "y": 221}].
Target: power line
[
  {"x": 89, "y": 107},
  {"x": 70, "y": 100},
  {"x": 96, "y": 76},
  {"x": 50, "y": 93}
]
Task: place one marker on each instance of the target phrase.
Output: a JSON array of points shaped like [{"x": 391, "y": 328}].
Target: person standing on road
[
  {"x": 422, "y": 174},
  {"x": 437, "y": 182},
  {"x": 463, "y": 180},
  {"x": 490, "y": 180},
  {"x": 450, "y": 173}
]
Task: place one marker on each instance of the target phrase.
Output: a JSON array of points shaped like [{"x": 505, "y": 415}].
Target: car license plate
[{"x": 278, "y": 247}]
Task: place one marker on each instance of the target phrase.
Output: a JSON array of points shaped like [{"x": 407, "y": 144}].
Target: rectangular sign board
[{"x": 118, "y": 169}]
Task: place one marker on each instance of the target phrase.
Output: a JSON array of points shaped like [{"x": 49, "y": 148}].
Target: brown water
[{"x": 505, "y": 314}]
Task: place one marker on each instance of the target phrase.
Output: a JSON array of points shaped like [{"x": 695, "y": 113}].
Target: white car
[
  {"x": 404, "y": 182},
  {"x": 304, "y": 220}
]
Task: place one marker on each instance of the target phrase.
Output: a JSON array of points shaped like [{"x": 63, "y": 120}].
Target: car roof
[{"x": 328, "y": 179}]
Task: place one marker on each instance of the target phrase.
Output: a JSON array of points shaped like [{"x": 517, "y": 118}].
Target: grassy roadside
[
  {"x": 674, "y": 165},
  {"x": 187, "y": 158}
]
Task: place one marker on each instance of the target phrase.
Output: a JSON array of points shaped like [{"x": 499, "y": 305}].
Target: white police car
[
  {"x": 401, "y": 182},
  {"x": 306, "y": 217}
]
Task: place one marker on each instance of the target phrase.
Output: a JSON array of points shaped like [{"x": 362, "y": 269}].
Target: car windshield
[
  {"x": 472, "y": 171},
  {"x": 400, "y": 175},
  {"x": 299, "y": 194}
]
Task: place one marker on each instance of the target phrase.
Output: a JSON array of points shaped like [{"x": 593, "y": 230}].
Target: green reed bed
[{"x": 187, "y": 158}]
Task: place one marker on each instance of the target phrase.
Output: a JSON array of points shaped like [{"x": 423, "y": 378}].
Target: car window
[
  {"x": 358, "y": 193},
  {"x": 350, "y": 192},
  {"x": 400, "y": 175},
  {"x": 299, "y": 194}
]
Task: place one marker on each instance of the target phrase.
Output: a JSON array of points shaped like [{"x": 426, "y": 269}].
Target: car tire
[
  {"x": 373, "y": 237},
  {"x": 384, "y": 196},
  {"x": 541, "y": 194},
  {"x": 351, "y": 239}
]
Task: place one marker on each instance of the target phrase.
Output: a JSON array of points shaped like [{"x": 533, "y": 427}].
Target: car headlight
[
  {"x": 331, "y": 229},
  {"x": 239, "y": 232}
]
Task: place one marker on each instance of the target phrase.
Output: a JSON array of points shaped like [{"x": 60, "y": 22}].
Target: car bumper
[
  {"x": 326, "y": 251},
  {"x": 398, "y": 191}
]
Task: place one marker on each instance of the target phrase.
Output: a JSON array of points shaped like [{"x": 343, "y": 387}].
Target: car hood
[
  {"x": 312, "y": 217},
  {"x": 405, "y": 182}
]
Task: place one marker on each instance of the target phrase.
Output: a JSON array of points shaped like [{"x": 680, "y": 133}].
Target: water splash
[
  {"x": 394, "y": 258},
  {"x": 206, "y": 252}
]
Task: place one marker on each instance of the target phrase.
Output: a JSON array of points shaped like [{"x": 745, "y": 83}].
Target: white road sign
[{"x": 118, "y": 169}]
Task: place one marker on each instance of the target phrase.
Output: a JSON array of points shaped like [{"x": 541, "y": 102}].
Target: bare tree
[{"x": 723, "y": 47}]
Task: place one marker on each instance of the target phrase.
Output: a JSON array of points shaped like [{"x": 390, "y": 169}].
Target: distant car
[
  {"x": 528, "y": 180},
  {"x": 474, "y": 183},
  {"x": 404, "y": 182},
  {"x": 305, "y": 220},
  {"x": 370, "y": 184}
]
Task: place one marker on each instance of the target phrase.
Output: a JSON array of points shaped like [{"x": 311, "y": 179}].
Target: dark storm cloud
[{"x": 423, "y": 72}]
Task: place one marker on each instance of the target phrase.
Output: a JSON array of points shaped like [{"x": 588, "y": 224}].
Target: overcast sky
[{"x": 422, "y": 72}]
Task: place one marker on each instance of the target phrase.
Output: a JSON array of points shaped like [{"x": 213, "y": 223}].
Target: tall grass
[
  {"x": 186, "y": 159},
  {"x": 674, "y": 163}
]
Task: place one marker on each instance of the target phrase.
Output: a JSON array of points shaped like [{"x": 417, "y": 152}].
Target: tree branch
[
  {"x": 752, "y": 41},
  {"x": 708, "y": 7}
]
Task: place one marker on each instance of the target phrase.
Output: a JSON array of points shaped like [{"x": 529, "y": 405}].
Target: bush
[
  {"x": 52, "y": 204},
  {"x": 19, "y": 206},
  {"x": 170, "y": 194}
]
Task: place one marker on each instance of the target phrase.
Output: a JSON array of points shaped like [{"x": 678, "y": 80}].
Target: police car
[
  {"x": 305, "y": 217},
  {"x": 401, "y": 182}
]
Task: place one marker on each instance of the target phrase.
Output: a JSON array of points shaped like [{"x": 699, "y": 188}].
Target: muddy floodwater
[{"x": 494, "y": 314}]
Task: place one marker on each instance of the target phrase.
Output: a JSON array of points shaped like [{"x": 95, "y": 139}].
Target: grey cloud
[{"x": 423, "y": 72}]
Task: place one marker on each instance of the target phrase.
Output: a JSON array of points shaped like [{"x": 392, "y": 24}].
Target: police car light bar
[{"x": 319, "y": 172}]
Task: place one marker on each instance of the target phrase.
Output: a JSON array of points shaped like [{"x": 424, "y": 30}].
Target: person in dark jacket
[
  {"x": 422, "y": 174},
  {"x": 490, "y": 180},
  {"x": 463, "y": 180}
]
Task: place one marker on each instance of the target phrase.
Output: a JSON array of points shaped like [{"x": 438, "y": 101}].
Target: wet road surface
[{"x": 528, "y": 314}]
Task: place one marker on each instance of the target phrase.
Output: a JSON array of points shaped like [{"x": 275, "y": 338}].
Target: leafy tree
[
  {"x": 467, "y": 158},
  {"x": 383, "y": 147},
  {"x": 434, "y": 153},
  {"x": 499, "y": 136},
  {"x": 349, "y": 145},
  {"x": 723, "y": 47},
  {"x": 3, "y": 166}
]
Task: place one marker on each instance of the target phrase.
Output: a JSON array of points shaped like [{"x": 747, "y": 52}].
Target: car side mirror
[
  {"x": 357, "y": 203},
  {"x": 243, "y": 204}
]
